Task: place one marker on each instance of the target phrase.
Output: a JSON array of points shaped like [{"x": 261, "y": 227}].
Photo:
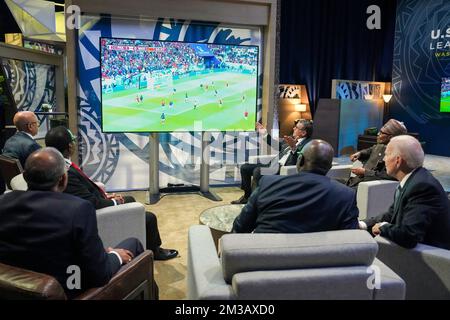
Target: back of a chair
[
  {"x": 21, "y": 284},
  {"x": 424, "y": 268},
  {"x": 332, "y": 265},
  {"x": 9, "y": 168}
]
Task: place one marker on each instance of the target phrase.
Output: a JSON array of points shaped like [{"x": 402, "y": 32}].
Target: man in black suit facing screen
[
  {"x": 47, "y": 231},
  {"x": 306, "y": 202},
  {"x": 80, "y": 185},
  {"x": 420, "y": 212}
]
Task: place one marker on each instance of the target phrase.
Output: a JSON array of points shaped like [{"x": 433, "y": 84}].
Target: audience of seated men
[
  {"x": 374, "y": 167},
  {"x": 292, "y": 145},
  {"x": 22, "y": 144},
  {"x": 420, "y": 212},
  {"x": 306, "y": 202},
  {"x": 46, "y": 230},
  {"x": 80, "y": 185}
]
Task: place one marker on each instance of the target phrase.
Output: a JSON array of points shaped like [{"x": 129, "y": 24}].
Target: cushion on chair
[
  {"x": 253, "y": 252},
  {"x": 319, "y": 284}
]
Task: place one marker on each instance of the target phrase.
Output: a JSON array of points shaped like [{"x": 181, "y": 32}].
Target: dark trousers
[
  {"x": 153, "y": 240},
  {"x": 131, "y": 244},
  {"x": 136, "y": 248},
  {"x": 249, "y": 170}
]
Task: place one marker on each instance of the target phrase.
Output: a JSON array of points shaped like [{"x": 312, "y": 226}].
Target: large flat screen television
[
  {"x": 165, "y": 86},
  {"x": 445, "y": 95}
]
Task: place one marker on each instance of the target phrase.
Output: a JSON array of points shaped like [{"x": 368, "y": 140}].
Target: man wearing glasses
[
  {"x": 22, "y": 144},
  {"x": 302, "y": 132},
  {"x": 374, "y": 167}
]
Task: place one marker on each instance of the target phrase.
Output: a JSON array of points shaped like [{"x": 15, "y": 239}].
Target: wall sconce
[
  {"x": 368, "y": 96},
  {"x": 300, "y": 107},
  {"x": 387, "y": 97}
]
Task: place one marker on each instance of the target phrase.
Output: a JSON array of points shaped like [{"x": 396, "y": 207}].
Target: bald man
[
  {"x": 306, "y": 202},
  {"x": 420, "y": 212},
  {"x": 22, "y": 144},
  {"x": 47, "y": 231}
]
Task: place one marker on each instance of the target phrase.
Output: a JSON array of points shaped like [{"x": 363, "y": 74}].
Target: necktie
[
  {"x": 397, "y": 194},
  {"x": 87, "y": 178}
]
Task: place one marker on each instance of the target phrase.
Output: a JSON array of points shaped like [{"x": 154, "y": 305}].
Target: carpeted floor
[{"x": 175, "y": 214}]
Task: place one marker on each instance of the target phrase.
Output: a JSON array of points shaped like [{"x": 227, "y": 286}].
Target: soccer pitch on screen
[
  {"x": 165, "y": 86},
  {"x": 445, "y": 95}
]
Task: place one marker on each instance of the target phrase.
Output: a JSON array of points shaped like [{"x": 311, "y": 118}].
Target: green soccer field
[
  {"x": 201, "y": 111},
  {"x": 445, "y": 104}
]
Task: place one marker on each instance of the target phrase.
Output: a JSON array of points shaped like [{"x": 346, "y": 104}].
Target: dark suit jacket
[
  {"x": 305, "y": 202},
  {"x": 293, "y": 156},
  {"x": 20, "y": 146},
  {"x": 421, "y": 214},
  {"x": 81, "y": 187},
  {"x": 48, "y": 231}
]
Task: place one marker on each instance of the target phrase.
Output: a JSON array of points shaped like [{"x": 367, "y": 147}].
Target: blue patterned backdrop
[
  {"x": 121, "y": 160},
  {"x": 31, "y": 84},
  {"x": 421, "y": 60}
]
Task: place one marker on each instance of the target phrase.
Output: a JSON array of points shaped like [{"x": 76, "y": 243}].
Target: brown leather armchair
[{"x": 133, "y": 281}]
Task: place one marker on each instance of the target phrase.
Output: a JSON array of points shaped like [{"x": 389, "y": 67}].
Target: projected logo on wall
[
  {"x": 417, "y": 72},
  {"x": 440, "y": 42},
  {"x": 102, "y": 153}
]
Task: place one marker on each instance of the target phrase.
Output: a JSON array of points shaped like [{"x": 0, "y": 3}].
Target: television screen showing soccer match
[
  {"x": 164, "y": 86},
  {"x": 445, "y": 95}
]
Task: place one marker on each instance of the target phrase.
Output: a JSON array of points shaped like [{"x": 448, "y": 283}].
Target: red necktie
[{"x": 87, "y": 178}]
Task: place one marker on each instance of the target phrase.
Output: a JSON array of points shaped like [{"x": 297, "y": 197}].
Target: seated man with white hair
[{"x": 420, "y": 212}]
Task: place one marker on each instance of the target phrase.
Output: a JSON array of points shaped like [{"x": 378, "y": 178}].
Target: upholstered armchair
[
  {"x": 133, "y": 281},
  {"x": 425, "y": 269},
  {"x": 9, "y": 168},
  {"x": 323, "y": 265}
]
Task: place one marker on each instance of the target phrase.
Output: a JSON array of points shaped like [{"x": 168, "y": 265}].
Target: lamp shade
[
  {"x": 387, "y": 97},
  {"x": 300, "y": 107},
  {"x": 368, "y": 96}
]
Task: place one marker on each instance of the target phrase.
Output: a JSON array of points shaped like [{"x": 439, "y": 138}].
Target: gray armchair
[
  {"x": 425, "y": 269},
  {"x": 323, "y": 265},
  {"x": 375, "y": 197}
]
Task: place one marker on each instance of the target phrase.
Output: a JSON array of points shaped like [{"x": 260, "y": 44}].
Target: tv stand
[{"x": 155, "y": 193}]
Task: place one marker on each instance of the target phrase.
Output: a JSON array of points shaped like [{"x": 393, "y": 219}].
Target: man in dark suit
[
  {"x": 306, "y": 202},
  {"x": 22, "y": 144},
  {"x": 420, "y": 212},
  {"x": 80, "y": 185},
  {"x": 292, "y": 145},
  {"x": 47, "y": 231}
]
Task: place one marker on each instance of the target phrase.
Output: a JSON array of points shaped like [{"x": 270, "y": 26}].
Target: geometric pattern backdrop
[
  {"x": 121, "y": 159},
  {"x": 421, "y": 60},
  {"x": 31, "y": 85}
]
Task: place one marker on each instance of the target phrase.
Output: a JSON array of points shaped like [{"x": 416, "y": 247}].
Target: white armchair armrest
[
  {"x": 288, "y": 170},
  {"x": 120, "y": 222},
  {"x": 205, "y": 278},
  {"x": 19, "y": 183},
  {"x": 375, "y": 197},
  {"x": 263, "y": 159},
  {"x": 340, "y": 171}
]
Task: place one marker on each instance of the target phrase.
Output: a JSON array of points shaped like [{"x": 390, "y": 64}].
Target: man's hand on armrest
[{"x": 125, "y": 256}]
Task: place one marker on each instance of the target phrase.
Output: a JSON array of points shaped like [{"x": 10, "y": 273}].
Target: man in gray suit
[{"x": 22, "y": 144}]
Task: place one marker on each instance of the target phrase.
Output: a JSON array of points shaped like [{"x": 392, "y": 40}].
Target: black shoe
[
  {"x": 241, "y": 200},
  {"x": 165, "y": 254}
]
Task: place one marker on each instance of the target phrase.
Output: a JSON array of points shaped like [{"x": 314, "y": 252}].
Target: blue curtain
[{"x": 322, "y": 40}]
